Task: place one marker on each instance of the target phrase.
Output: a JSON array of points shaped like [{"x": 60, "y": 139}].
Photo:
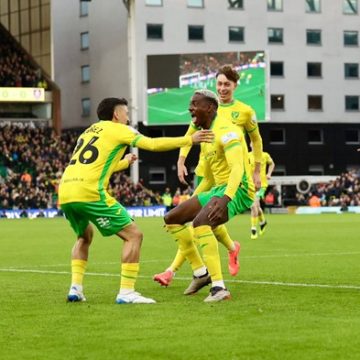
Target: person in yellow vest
[
  {"x": 257, "y": 214},
  {"x": 167, "y": 199}
]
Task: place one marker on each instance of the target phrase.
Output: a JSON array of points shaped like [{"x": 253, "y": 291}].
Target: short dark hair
[
  {"x": 229, "y": 72},
  {"x": 105, "y": 110}
]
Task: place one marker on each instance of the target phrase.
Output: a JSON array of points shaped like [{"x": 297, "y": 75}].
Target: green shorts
[
  {"x": 260, "y": 194},
  {"x": 108, "y": 219},
  {"x": 241, "y": 202}
]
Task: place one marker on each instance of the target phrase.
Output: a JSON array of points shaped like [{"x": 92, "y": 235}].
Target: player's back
[{"x": 97, "y": 151}]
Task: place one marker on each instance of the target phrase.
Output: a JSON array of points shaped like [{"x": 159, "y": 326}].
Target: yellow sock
[
  {"x": 254, "y": 221},
  {"x": 223, "y": 236},
  {"x": 184, "y": 237},
  {"x": 178, "y": 261},
  {"x": 78, "y": 268},
  {"x": 261, "y": 218},
  {"x": 129, "y": 273},
  {"x": 210, "y": 250}
]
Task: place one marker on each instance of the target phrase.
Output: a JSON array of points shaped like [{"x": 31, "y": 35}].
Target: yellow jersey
[
  {"x": 226, "y": 153},
  {"x": 239, "y": 114},
  {"x": 265, "y": 161},
  {"x": 97, "y": 155}
]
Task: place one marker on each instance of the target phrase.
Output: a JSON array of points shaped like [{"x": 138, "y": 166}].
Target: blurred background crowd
[{"x": 33, "y": 159}]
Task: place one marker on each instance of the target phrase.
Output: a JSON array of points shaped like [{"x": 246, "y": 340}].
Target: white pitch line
[
  {"x": 251, "y": 282},
  {"x": 250, "y": 257}
]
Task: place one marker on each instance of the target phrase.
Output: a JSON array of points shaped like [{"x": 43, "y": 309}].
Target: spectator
[
  {"x": 314, "y": 201},
  {"x": 167, "y": 199}
]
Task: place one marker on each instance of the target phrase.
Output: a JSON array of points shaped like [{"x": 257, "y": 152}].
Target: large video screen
[{"x": 172, "y": 79}]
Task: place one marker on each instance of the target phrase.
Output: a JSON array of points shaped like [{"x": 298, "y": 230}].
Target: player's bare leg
[{"x": 79, "y": 257}]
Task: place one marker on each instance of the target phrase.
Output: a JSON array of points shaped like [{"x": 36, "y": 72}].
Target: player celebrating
[
  {"x": 244, "y": 117},
  {"x": 83, "y": 196},
  {"x": 225, "y": 191},
  {"x": 257, "y": 215}
]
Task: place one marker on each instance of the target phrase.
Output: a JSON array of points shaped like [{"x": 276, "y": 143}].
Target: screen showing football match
[{"x": 172, "y": 79}]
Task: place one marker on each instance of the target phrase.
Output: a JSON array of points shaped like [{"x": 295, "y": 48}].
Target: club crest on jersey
[
  {"x": 235, "y": 114},
  {"x": 229, "y": 137}
]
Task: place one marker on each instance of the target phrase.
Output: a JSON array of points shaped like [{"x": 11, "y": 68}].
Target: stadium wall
[
  {"x": 296, "y": 156},
  {"x": 106, "y": 56}
]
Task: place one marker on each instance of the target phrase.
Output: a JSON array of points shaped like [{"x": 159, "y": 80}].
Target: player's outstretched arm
[{"x": 171, "y": 143}]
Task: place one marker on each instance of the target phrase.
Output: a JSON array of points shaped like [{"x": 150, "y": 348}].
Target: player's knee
[
  {"x": 169, "y": 218},
  {"x": 199, "y": 221},
  {"x": 87, "y": 237},
  {"x": 137, "y": 236}
]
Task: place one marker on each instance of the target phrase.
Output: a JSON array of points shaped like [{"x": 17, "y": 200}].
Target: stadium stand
[
  {"x": 16, "y": 67},
  {"x": 31, "y": 164},
  {"x": 33, "y": 159},
  {"x": 344, "y": 191}
]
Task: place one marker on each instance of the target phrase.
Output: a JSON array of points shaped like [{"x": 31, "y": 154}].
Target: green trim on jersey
[
  {"x": 248, "y": 132},
  {"x": 226, "y": 148},
  {"x": 197, "y": 180},
  {"x": 194, "y": 126},
  {"x": 227, "y": 105},
  {"x": 135, "y": 141},
  {"x": 106, "y": 169}
]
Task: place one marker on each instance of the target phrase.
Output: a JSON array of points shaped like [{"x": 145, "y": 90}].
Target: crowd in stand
[
  {"x": 344, "y": 191},
  {"x": 210, "y": 63},
  {"x": 16, "y": 69},
  {"x": 32, "y": 161}
]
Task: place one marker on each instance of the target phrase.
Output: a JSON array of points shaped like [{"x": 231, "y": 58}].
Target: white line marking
[
  {"x": 252, "y": 282},
  {"x": 250, "y": 257}
]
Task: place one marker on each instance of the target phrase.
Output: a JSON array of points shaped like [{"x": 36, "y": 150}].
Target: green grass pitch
[
  {"x": 297, "y": 295},
  {"x": 171, "y": 107}
]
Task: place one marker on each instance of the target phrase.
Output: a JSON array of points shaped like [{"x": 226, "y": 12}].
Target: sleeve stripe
[
  {"x": 226, "y": 148},
  {"x": 252, "y": 130},
  {"x": 136, "y": 139}
]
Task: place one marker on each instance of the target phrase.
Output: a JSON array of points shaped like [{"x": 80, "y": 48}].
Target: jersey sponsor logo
[
  {"x": 235, "y": 114},
  {"x": 229, "y": 137},
  {"x": 103, "y": 222}
]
